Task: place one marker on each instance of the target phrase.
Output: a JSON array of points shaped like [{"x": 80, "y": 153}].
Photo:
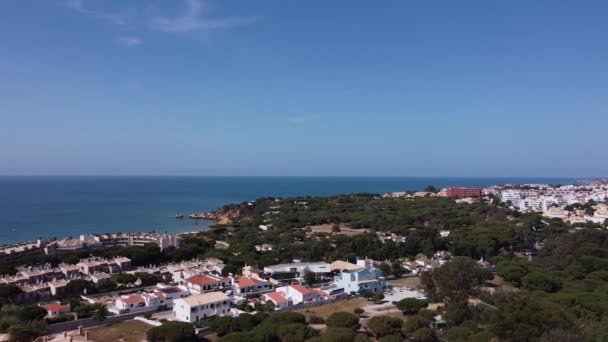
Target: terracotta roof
[
  {"x": 302, "y": 289},
  {"x": 243, "y": 282},
  {"x": 276, "y": 297},
  {"x": 132, "y": 299},
  {"x": 55, "y": 307},
  {"x": 202, "y": 280},
  {"x": 320, "y": 293}
]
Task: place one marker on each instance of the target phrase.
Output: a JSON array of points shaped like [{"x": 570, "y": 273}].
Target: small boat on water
[{"x": 179, "y": 216}]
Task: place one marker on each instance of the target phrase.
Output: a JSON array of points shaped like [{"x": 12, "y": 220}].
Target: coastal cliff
[{"x": 221, "y": 216}]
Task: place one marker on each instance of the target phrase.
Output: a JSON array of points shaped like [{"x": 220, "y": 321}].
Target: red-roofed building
[
  {"x": 130, "y": 303},
  {"x": 207, "y": 283},
  {"x": 301, "y": 294},
  {"x": 244, "y": 285},
  {"x": 56, "y": 309},
  {"x": 278, "y": 299}
]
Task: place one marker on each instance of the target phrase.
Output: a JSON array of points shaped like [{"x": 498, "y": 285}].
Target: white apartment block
[{"x": 201, "y": 306}]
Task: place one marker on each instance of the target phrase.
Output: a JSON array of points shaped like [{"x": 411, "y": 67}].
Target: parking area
[{"x": 397, "y": 293}]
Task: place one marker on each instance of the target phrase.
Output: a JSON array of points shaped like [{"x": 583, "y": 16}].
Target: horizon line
[{"x": 294, "y": 176}]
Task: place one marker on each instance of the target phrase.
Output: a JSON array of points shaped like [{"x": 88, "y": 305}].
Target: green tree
[
  {"x": 296, "y": 332},
  {"x": 411, "y": 306},
  {"x": 541, "y": 281},
  {"x": 146, "y": 278},
  {"x": 31, "y": 313},
  {"x": 361, "y": 338},
  {"x": 397, "y": 270},
  {"x": 377, "y": 297},
  {"x": 482, "y": 336},
  {"x": 100, "y": 312},
  {"x": 416, "y": 322},
  {"x": 172, "y": 331},
  {"x": 27, "y": 331},
  {"x": 334, "y": 334},
  {"x": 391, "y": 338},
  {"x": 384, "y": 325},
  {"x": 77, "y": 286},
  {"x": 8, "y": 293},
  {"x": 225, "y": 325},
  {"x": 431, "y": 188},
  {"x": 458, "y": 277},
  {"x": 124, "y": 278},
  {"x": 457, "y": 310},
  {"x": 385, "y": 268},
  {"x": 341, "y": 319},
  {"x": 358, "y": 311},
  {"x": 309, "y": 277},
  {"x": 423, "y": 335},
  {"x": 247, "y": 321},
  {"x": 459, "y": 334}
]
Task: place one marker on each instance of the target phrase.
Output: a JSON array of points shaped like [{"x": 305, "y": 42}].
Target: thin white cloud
[
  {"x": 129, "y": 41},
  {"x": 196, "y": 18},
  {"x": 79, "y": 6}
]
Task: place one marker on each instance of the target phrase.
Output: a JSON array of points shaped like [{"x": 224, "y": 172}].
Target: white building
[
  {"x": 296, "y": 294},
  {"x": 514, "y": 196},
  {"x": 364, "y": 279},
  {"x": 244, "y": 286},
  {"x": 56, "y": 309},
  {"x": 170, "y": 294},
  {"x": 297, "y": 270},
  {"x": 531, "y": 204},
  {"x": 278, "y": 299},
  {"x": 130, "y": 303},
  {"x": 207, "y": 283},
  {"x": 201, "y": 306}
]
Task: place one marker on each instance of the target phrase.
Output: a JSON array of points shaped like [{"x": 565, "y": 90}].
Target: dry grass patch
[
  {"x": 342, "y": 305},
  {"x": 344, "y": 229},
  {"x": 127, "y": 331},
  {"x": 411, "y": 282}
]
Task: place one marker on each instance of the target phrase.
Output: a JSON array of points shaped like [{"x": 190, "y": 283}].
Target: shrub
[
  {"x": 423, "y": 335},
  {"x": 148, "y": 315},
  {"x": 296, "y": 332},
  {"x": 459, "y": 334},
  {"x": 358, "y": 311},
  {"x": 411, "y": 306},
  {"x": 416, "y": 322},
  {"x": 225, "y": 325},
  {"x": 31, "y": 313},
  {"x": 482, "y": 336},
  {"x": 342, "y": 319},
  {"x": 60, "y": 319},
  {"x": 338, "y": 335},
  {"x": 384, "y": 325},
  {"x": 27, "y": 331},
  {"x": 361, "y": 338},
  {"x": 541, "y": 281},
  {"x": 390, "y": 338},
  {"x": 315, "y": 320},
  {"x": 172, "y": 331}
]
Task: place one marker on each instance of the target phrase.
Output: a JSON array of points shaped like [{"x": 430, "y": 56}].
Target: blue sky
[{"x": 396, "y": 88}]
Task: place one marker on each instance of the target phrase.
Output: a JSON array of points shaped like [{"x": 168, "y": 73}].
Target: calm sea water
[{"x": 32, "y": 207}]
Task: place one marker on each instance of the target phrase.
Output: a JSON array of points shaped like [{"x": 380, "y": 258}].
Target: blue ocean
[{"x": 47, "y": 207}]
